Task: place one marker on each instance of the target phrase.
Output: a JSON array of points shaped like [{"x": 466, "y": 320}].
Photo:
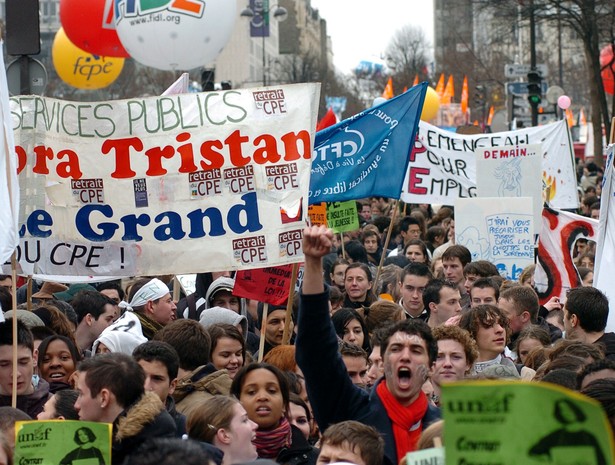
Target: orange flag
[
  {"x": 388, "y": 90},
  {"x": 569, "y": 117},
  {"x": 405, "y": 89},
  {"x": 416, "y": 80},
  {"x": 464, "y": 96},
  {"x": 449, "y": 91},
  {"x": 440, "y": 86},
  {"x": 490, "y": 116},
  {"x": 582, "y": 119}
]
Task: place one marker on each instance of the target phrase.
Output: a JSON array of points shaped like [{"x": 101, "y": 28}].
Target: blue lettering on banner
[{"x": 240, "y": 218}]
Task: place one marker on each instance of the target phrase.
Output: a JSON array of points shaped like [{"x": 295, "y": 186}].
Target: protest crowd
[{"x": 385, "y": 317}]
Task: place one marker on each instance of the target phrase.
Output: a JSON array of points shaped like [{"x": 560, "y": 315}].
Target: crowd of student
[{"x": 360, "y": 381}]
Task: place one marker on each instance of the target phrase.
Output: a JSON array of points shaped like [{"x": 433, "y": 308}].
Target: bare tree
[{"x": 406, "y": 54}]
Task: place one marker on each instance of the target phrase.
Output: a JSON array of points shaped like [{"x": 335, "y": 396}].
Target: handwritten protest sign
[
  {"x": 318, "y": 214},
  {"x": 487, "y": 422},
  {"x": 500, "y": 230},
  {"x": 342, "y": 216},
  {"x": 270, "y": 285},
  {"x": 510, "y": 171},
  {"x": 443, "y": 164},
  {"x": 210, "y": 182},
  {"x": 63, "y": 442}
]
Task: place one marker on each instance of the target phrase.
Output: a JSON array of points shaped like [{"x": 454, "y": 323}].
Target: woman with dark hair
[
  {"x": 416, "y": 251},
  {"x": 338, "y": 273},
  {"x": 60, "y": 406},
  {"x": 350, "y": 327},
  {"x": 358, "y": 283},
  {"x": 84, "y": 437},
  {"x": 57, "y": 361},
  {"x": 263, "y": 391}
]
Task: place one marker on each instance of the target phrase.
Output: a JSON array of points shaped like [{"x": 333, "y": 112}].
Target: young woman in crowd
[
  {"x": 223, "y": 422},
  {"x": 300, "y": 415},
  {"x": 358, "y": 283},
  {"x": 416, "y": 251},
  {"x": 529, "y": 338},
  {"x": 371, "y": 241},
  {"x": 57, "y": 361},
  {"x": 228, "y": 348},
  {"x": 60, "y": 406},
  {"x": 350, "y": 327},
  {"x": 263, "y": 391}
]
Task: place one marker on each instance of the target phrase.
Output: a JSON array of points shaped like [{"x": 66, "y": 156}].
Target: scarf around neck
[
  {"x": 270, "y": 442},
  {"x": 407, "y": 420}
]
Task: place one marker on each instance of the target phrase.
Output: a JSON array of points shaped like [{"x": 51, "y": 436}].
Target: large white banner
[
  {"x": 605, "y": 248},
  {"x": 443, "y": 165},
  {"x": 173, "y": 184}
]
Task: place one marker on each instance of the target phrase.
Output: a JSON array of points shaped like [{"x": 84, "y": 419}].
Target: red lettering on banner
[{"x": 416, "y": 179}]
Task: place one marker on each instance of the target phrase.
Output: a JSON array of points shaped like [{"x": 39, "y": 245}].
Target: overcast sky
[{"x": 361, "y": 29}]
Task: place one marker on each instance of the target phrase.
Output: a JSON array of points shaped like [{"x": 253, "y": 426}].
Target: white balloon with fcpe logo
[{"x": 174, "y": 34}]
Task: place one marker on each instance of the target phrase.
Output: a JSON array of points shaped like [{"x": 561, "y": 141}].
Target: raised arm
[{"x": 317, "y": 241}]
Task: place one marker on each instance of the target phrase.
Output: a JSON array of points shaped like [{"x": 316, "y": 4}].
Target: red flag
[
  {"x": 270, "y": 285},
  {"x": 388, "y": 90},
  {"x": 328, "y": 120}
]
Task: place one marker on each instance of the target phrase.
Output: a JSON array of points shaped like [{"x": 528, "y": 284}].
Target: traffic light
[
  {"x": 534, "y": 88},
  {"x": 479, "y": 96}
]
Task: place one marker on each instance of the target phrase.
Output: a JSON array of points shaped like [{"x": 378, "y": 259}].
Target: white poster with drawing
[
  {"x": 511, "y": 171},
  {"x": 497, "y": 229}
]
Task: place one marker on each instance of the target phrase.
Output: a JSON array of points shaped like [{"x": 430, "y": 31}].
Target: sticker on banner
[
  {"x": 290, "y": 243},
  {"x": 88, "y": 190},
  {"x": 250, "y": 250},
  {"x": 205, "y": 183},
  {"x": 239, "y": 180}
]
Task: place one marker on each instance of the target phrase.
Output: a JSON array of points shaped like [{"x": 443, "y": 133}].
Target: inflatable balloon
[
  {"x": 608, "y": 76},
  {"x": 173, "y": 35},
  {"x": 563, "y": 102},
  {"x": 81, "y": 69},
  {"x": 90, "y": 25},
  {"x": 431, "y": 105}
]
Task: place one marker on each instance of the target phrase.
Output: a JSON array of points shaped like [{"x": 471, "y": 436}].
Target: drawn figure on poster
[
  {"x": 570, "y": 443},
  {"x": 509, "y": 174},
  {"x": 86, "y": 453},
  {"x": 479, "y": 246}
]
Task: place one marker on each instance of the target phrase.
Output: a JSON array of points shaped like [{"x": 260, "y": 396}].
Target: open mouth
[
  {"x": 57, "y": 376},
  {"x": 263, "y": 411},
  {"x": 404, "y": 375}
]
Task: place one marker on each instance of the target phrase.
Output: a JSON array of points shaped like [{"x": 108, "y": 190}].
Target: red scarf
[
  {"x": 270, "y": 442},
  {"x": 407, "y": 424}
]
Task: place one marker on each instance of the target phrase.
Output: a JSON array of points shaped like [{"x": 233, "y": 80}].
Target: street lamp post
[{"x": 258, "y": 13}]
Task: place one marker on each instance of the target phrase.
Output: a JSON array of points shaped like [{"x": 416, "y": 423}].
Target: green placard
[
  {"x": 342, "y": 216},
  {"x": 62, "y": 442},
  {"x": 433, "y": 456},
  {"x": 512, "y": 423}
]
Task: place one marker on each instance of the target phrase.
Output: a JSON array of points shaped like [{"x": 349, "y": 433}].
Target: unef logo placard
[
  {"x": 250, "y": 250},
  {"x": 272, "y": 102}
]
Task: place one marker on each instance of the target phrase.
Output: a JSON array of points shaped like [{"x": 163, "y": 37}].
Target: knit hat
[
  {"x": 214, "y": 315},
  {"x": 220, "y": 284},
  {"x": 48, "y": 289}
]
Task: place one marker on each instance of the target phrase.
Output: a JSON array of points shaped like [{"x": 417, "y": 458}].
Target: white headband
[{"x": 155, "y": 289}]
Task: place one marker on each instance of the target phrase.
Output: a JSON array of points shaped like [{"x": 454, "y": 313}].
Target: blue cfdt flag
[{"x": 368, "y": 153}]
